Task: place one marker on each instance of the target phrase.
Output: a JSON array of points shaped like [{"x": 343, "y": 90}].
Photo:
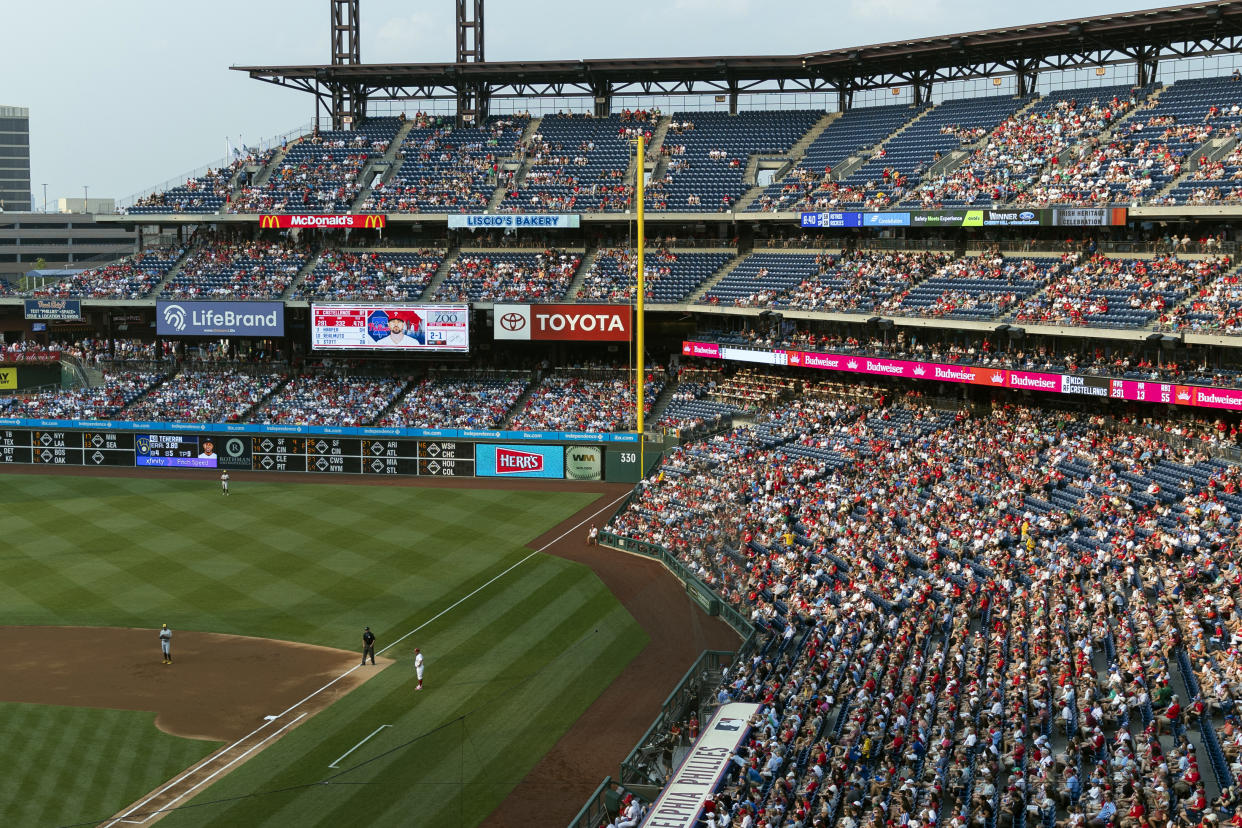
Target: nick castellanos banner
[
  {"x": 373, "y": 221},
  {"x": 578, "y": 323}
]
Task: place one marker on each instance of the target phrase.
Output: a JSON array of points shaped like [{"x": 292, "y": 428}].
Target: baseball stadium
[{"x": 845, "y": 438}]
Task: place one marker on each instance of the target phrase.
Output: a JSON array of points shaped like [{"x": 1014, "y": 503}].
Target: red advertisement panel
[
  {"x": 564, "y": 323},
  {"x": 373, "y": 221},
  {"x": 18, "y": 357}
]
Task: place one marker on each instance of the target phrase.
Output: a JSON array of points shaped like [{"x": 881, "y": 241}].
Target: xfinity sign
[
  {"x": 220, "y": 318},
  {"x": 578, "y": 323}
]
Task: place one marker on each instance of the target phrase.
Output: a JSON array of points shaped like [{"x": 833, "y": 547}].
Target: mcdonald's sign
[{"x": 371, "y": 221}]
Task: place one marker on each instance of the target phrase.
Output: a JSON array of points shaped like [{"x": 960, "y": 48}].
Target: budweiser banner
[
  {"x": 372, "y": 221},
  {"x": 28, "y": 357},
  {"x": 580, "y": 323},
  {"x": 1117, "y": 389}
]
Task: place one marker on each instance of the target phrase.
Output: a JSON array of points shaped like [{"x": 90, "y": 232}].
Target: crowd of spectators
[
  {"x": 1006, "y": 619},
  {"x": 101, "y": 402},
  {"x": 203, "y": 397},
  {"x": 358, "y": 274},
  {"x": 566, "y": 401},
  {"x": 495, "y": 276},
  {"x": 322, "y": 399},
  {"x": 133, "y": 277},
  {"x": 207, "y": 193},
  {"x": 238, "y": 270},
  {"x": 1215, "y": 307},
  {"x": 318, "y": 174},
  {"x": 857, "y": 280},
  {"x": 445, "y": 170},
  {"x": 1097, "y": 289},
  {"x": 1127, "y": 169},
  {"x": 447, "y": 402},
  {"x": 1018, "y": 149}
]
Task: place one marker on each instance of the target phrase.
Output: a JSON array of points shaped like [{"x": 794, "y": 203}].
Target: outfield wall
[{"x": 326, "y": 450}]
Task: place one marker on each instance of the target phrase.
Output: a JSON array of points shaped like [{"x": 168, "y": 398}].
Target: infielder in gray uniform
[{"x": 166, "y": 643}]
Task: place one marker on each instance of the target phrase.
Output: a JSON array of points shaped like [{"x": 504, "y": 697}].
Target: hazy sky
[{"x": 126, "y": 94}]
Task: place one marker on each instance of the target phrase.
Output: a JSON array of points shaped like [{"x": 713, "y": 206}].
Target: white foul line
[
  {"x": 211, "y": 776},
  {"x": 220, "y": 753},
  {"x": 503, "y": 574},
  {"x": 360, "y": 744}
]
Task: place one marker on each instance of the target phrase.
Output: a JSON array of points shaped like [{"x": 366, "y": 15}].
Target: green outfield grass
[
  {"x": 507, "y": 671},
  {"x": 57, "y": 758}
]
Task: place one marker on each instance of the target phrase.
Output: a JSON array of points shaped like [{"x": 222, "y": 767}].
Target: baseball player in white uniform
[
  {"x": 166, "y": 643},
  {"x": 224, "y": 482},
  {"x": 418, "y": 667}
]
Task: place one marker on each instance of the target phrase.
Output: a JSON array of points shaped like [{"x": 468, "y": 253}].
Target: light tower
[
  {"x": 349, "y": 104},
  {"x": 472, "y": 95}
]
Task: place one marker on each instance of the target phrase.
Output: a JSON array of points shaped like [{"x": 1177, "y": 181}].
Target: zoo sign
[{"x": 574, "y": 323}]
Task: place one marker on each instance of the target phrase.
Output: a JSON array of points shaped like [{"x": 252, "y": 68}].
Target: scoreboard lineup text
[
  {"x": 349, "y": 455},
  {"x": 312, "y": 454}
]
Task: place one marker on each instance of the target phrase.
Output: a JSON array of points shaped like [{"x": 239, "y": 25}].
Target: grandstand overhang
[{"x": 1142, "y": 37}]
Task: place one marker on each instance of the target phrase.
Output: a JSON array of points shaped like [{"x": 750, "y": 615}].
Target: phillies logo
[
  {"x": 513, "y": 321},
  {"x": 509, "y": 461}
]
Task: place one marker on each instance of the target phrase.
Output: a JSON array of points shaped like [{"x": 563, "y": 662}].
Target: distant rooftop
[{"x": 14, "y": 112}]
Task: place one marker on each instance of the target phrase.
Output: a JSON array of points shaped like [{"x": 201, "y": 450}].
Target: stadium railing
[
  {"x": 597, "y": 810},
  {"x": 692, "y": 692}
]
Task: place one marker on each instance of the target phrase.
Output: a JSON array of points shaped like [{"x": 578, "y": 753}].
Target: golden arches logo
[
  {"x": 269, "y": 221},
  {"x": 374, "y": 221}
]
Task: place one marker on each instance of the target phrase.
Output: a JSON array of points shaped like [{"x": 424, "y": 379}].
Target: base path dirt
[{"x": 219, "y": 687}]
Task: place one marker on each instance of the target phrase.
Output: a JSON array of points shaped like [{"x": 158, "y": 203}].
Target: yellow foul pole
[{"x": 639, "y": 174}]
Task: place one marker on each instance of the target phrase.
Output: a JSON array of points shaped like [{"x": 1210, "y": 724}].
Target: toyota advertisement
[
  {"x": 263, "y": 319},
  {"x": 374, "y": 327},
  {"x": 519, "y": 461},
  {"x": 563, "y": 323}
]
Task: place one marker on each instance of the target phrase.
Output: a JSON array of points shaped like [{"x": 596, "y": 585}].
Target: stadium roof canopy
[{"x": 1141, "y": 37}]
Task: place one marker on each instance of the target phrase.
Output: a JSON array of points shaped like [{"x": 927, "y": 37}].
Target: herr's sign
[
  {"x": 54, "y": 310},
  {"x": 220, "y": 319},
  {"x": 513, "y": 221},
  {"x": 576, "y": 323},
  {"x": 372, "y": 221}
]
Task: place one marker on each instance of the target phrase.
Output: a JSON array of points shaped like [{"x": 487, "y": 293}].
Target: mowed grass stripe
[
  {"x": 75, "y": 755},
  {"x": 391, "y": 698},
  {"x": 570, "y": 606},
  {"x": 527, "y": 720}
]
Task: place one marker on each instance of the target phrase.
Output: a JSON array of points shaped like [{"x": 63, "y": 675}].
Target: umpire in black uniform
[{"x": 368, "y": 645}]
